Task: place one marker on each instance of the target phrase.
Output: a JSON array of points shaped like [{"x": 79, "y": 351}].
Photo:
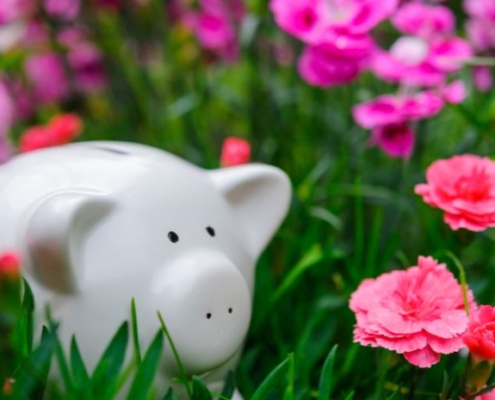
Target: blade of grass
[
  {"x": 271, "y": 381},
  {"x": 176, "y": 354},
  {"x": 135, "y": 332},
  {"x": 327, "y": 376},
  {"x": 106, "y": 373},
  {"x": 147, "y": 370},
  {"x": 200, "y": 391}
]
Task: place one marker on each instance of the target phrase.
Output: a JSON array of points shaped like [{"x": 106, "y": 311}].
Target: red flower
[
  {"x": 235, "y": 151},
  {"x": 9, "y": 265},
  {"x": 60, "y": 130}
]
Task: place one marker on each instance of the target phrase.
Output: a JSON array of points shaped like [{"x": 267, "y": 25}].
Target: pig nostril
[
  {"x": 230, "y": 310},
  {"x": 208, "y": 316}
]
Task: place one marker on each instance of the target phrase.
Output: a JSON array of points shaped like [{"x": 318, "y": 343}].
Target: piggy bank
[{"x": 100, "y": 223}]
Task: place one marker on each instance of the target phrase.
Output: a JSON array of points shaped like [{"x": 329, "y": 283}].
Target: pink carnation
[
  {"x": 464, "y": 187},
  {"x": 418, "y": 312},
  {"x": 63, "y": 9},
  {"x": 480, "y": 335}
]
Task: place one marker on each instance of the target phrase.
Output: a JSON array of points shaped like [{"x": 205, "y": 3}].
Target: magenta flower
[
  {"x": 63, "y": 9},
  {"x": 235, "y": 151},
  {"x": 396, "y": 140},
  {"x": 337, "y": 58},
  {"x": 11, "y": 10},
  {"x": 418, "y": 312},
  {"x": 87, "y": 63},
  {"x": 483, "y": 78},
  {"x": 464, "y": 188},
  {"x": 215, "y": 32},
  {"x": 304, "y": 19},
  {"x": 47, "y": 75},
  {"x": 424, "y": 21},
  {"x": 6, "y": 110}
]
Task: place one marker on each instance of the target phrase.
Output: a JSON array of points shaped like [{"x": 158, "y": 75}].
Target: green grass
[{"x": 353, "y": 216}]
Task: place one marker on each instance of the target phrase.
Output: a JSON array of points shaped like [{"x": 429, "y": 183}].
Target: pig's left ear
[{"x": 259, "y": 196}]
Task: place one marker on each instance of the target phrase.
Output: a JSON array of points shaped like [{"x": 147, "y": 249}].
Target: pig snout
[{"x": 206, "y": 305}]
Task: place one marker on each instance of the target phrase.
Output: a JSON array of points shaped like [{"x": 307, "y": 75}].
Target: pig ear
[
  {"x": 259, "y": 196},
  {"x": 55, "y": 233}
]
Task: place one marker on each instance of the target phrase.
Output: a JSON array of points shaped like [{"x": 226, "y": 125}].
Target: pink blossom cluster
[
  {"x": 215, "y": 24},
  {"x": 336, "y": 34},
  {"x": 58, "y": 63},
  {"x": 480, "y": 28},
  {"x": 418, "y": 312},
  {"x": 421, "y": 62}
]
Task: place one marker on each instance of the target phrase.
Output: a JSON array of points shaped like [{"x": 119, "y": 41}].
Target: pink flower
[
  {"x": 216, "y": 33},
  {"x": 418, "y": 312},
  {"x": 464, "y": 187},
  {"x": 414, "y": 61},
  {"x": 337, "y": 58},
  {"x": 46, "y": 73},
  {"x": 483, "y": 78},
  {"x": 6, "y": 110},
  {"x": 389, "y": 109},
  {"x": 235, "y": 151},
  {"x": 423, "y": 20},
  {"x": 396, "y": 140},
  {"x": 480, "y": 335},
  {"x": 87, "y": 63},
  {"x": 305, "y": 19},
  {"x": 11, "y": 10},
  {"x": 63, "y": 9}
]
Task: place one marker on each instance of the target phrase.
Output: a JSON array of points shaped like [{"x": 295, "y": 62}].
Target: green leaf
[
  {"x": 106, "y": 372},
  {"x": 28, "y": 306},
  {"x": 79, "y": 372},
  {"x": 229, "y": 386},
  {"x": 135, "y": 332},
  {"x": 326, "y": 377},
  {"x": 144, "y": 377},
  {"x": 200, "y": 391},
  {"x": 32, "y": 375},
  {"x": 271, "y": 381},
  {"x": 350, "y": 395},
  {"x": 170, "y": 395}
]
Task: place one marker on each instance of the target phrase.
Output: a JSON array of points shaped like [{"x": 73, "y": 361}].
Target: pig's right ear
[{"x": 55, "y": 234}]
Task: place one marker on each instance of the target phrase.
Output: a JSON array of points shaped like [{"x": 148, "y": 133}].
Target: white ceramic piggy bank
[{"x": 101, "y": 222}]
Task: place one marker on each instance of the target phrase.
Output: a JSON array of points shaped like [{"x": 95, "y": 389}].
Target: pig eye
[
  {"x": 173, "y": 237},
  {"x": 210, "y": 230}
]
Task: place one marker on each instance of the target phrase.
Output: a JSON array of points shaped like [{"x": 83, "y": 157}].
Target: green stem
[
  {"x": 462, "y": 277},
  {"x": 176, "y": 354}
]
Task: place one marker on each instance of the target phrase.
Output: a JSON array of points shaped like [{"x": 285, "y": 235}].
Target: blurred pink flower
[
  {"x": 424, "y": 20},
  {"x": 389, "y": 109},
  {"x": 483, "y": 78},
  {"x": 482, "y": 9},
  {"x": 481, "y": 34},
  {"x": 47, "y": 75},
  {"x": 305, "y": 19},
  {"x": 464, "y": 187},
  {"x": 418, "y": 312},
  {"x": 11, "y": 10},
  {"x": 396, "y": 140},
  {"x": 414, "y": 61},
  {"x": 337, "y": 58},
  {"x": 63, "y": 9},
  {"x": 87, "y": 63},
  {"x": 235, "y": 151},
  {"x": 480, "y": 335},
  {"x": 6, "y": 110},
  {"x": 216, "y": 33},
  {"x": 308, "y": 19}
]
